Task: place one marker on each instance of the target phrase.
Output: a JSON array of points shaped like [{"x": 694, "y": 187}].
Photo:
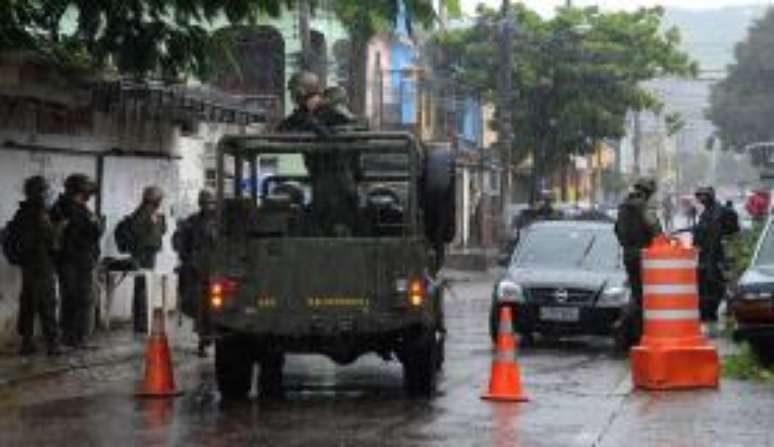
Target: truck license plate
[{"x": 567, "y": 314}]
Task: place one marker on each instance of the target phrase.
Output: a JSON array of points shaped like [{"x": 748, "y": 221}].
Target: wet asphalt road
[{"x": 581, "y": 396}]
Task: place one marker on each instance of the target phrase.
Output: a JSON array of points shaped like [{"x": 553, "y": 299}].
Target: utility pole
[
  {"x": 505, "y": 96},
  {"x": 637, "y": 142},
  {"x": 305, "y": 34}
]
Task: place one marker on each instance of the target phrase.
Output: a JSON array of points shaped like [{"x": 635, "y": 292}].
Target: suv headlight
[
  {"x": 510, "y": 292},
  {"x": 615, "y": 296}
]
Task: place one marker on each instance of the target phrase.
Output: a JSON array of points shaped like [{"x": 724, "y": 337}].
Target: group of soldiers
[
  {"x": 636, "y": 227},
  {"x": 56, "y": 242}
]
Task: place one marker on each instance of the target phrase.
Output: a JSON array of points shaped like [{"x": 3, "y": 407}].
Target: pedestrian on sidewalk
[
  {"x": 34, "y": 236},
  {"x": 195, "y": 241},
  {"x": 141, "y": 234},
  {"x": 78, "y": 257}
]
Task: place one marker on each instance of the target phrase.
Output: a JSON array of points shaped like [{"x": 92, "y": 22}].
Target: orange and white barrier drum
[{"x": 672, "y": 352}]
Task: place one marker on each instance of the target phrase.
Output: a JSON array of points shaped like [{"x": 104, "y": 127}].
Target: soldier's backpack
[
  {"x": 12, "y": 243},
  {"x": 124, "y": 236},
  {"x": 630, "y": 227}
]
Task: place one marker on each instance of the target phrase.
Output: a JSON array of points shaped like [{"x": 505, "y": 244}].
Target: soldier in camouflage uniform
[
  {"x": 636, "y": 227},
  {"x": 78, "y": 258},
  {"x": 37, "y": 241},
  {"x": 148, "y": 227},
  {"x": 334, "y": 190},
  {"x": 708, "y": 237},
  {"x": 195, "y": 242}
]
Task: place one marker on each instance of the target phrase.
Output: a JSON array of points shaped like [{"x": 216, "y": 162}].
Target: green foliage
[
  {"x": 364, "y": 18},
  {"x": 741, "y": 104},
  {"x": 576, "y": 75},
  {"x": 745, "y": 365},
  {"x": 740, "y": 249},
  {"x": 165, "y": 38},
  {"x": 674, "y": 123}
]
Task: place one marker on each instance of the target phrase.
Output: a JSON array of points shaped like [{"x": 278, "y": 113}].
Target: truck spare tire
[{"x": 438, "y": 193}]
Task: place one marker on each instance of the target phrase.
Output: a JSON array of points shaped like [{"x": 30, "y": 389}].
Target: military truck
[{"x": 335, "y": 253}]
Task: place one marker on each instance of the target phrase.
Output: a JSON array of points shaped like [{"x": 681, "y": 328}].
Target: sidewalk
[{"x": 118, "y": 345}]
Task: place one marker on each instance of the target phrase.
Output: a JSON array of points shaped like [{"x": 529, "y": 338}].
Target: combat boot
[{"x": 28, "y": 347}]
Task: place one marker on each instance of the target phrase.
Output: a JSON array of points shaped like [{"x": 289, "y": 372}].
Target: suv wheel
[
  {"x": 233, "y": 366},
  {"x": 421, "y": 363}
]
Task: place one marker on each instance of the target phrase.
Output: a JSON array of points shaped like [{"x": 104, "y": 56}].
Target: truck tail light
[
  {"x": 416, "y": 292},
  {"x": 221, "y": 289}
]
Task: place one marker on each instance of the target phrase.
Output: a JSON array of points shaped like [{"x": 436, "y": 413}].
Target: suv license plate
[{"x": 560, "y": 313}]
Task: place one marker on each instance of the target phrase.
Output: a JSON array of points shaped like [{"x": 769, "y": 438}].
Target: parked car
[
  {"x": 564, "y": 278},
  {"x": 751, "y": 300}
]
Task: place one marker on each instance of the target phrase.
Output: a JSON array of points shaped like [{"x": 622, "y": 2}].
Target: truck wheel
[
  {"x": 420, "y": 365},
  {"x": 233, "y": 367},
  {"x": 270, "y": 376}
]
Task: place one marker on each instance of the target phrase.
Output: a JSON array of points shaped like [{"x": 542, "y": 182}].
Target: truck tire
[
  {"x": 270, "y": 375},
  {"x": 439, "y": 195},
  {"x": 420, "y": 364},
  {"x": 233, "y": 367}
]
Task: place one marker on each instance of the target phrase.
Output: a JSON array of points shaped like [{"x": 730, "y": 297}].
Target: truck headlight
[
  {"x": 615, "y": 296},
  {"x": 510, "y": 292}
]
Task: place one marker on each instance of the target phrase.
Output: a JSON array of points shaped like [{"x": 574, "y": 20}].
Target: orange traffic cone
[
  {"x": 505, "y": 378},
  {"x": 159, "y": 379}
]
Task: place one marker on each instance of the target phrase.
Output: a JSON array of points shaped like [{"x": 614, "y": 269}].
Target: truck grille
[{"x": 559, "y": 295}]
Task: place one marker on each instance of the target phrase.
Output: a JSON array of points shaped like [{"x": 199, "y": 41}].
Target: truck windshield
[{"x": 327, "y": 192}]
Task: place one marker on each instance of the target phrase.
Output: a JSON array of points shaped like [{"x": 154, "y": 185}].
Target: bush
[{"x": 745, "y": 365}]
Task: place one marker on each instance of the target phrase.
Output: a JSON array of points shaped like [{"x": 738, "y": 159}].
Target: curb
[{"x": 74, "y": 362}]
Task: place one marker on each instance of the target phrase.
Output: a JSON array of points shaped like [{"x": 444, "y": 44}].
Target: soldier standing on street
[
  {"x": 147, "y": 227},
  {"x": 36, "y": 236},
  {"x": 708, "y": 238},
  {"x": 195, "y": 241},
  {"x": 78, "y": 257},
  {"x": 635, "y": 228}
]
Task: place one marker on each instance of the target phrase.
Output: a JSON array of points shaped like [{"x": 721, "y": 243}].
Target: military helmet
[
  {"x": 79, "y": 184},
  {"x": 705, "y": 190},
  {"x": 206, "y": 197},
  {"x": 152, "y": 194},
  {"x": 646, "y": 185},
  {"x": 36, "y": 186},
  {"x": 304, "y": 84}
]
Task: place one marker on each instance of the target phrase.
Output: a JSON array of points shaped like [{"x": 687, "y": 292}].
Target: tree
[
  {"x": 165, "y": 38},
  {"x": 576, "y": 75},
  {"x": 741, "y": 104}
]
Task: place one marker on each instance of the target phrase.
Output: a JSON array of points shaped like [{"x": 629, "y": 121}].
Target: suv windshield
[{"x": 568, "y": 248}]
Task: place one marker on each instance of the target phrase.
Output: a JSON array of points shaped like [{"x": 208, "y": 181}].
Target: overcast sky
[{"x": 546, "y": 6}]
